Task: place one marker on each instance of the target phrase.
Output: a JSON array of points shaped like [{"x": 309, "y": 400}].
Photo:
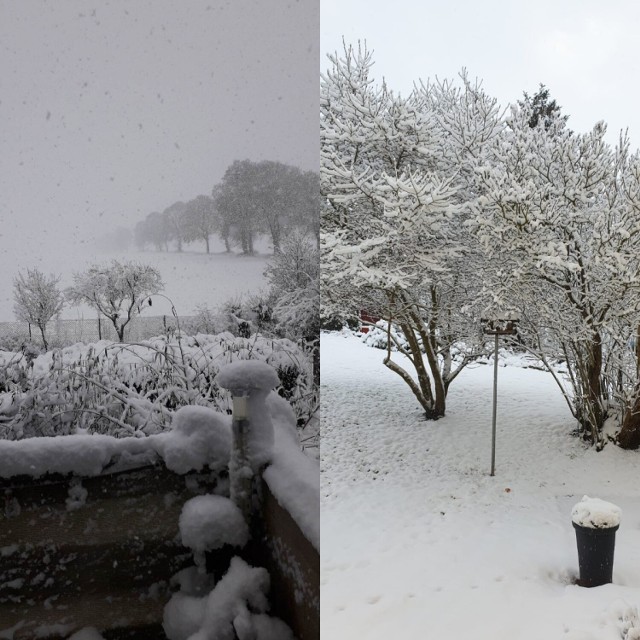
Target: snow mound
[
  {"x": 244, "y": 376},
  {"x": 183, "y": 616},
  {"x": 594, "y": 513},
  {"x": 292, "y": 476},
  {"x": 235, "y": 608},
  {"x": 210, "y": 522},
  {"x": 199, "y": 436},
  {"x": 81, "y": 454}
]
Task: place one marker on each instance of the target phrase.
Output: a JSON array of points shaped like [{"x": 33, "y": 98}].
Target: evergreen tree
[{"x": 542, "y": 107}]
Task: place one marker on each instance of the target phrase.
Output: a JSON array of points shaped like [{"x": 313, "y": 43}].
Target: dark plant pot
[{"x": 595, "y": 554}]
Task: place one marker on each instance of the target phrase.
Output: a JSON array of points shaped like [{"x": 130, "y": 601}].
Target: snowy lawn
[
  {"x": 419, "y": 542},
  {"x": 192, "y": 278}
]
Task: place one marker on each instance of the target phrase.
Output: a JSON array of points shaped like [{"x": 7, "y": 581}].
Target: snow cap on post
[
  {"x": 246, "y": 376},
  {"x": 255, "y": 380},
  {"x": 594, "y": 513}
]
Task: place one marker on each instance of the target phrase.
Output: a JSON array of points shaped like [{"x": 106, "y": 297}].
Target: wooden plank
[
  {"x": 97, "y": 562},
  {"x": 294, "y": 566},
  {"x": 68, "y": 613},
  {"x": 43, "y": 572}
]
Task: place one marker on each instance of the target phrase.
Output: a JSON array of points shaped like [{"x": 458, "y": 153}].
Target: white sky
[
  {"x": 110, "y": 110},
  {"x": 585, "y": 51}
]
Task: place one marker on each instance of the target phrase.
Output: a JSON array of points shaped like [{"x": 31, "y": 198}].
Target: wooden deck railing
[{"x": 106, "y": 559}]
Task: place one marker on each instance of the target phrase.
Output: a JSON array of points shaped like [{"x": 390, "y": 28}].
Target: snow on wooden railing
[
  {"x": 278, "y": 489},
  {"x": 270, "y": 477}
]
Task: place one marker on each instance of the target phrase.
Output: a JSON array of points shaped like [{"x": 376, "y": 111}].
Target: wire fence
[{"x": 62, "y": 332}]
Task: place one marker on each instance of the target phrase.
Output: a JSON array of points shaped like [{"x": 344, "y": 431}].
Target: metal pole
[{"x": 495, "y": 406}]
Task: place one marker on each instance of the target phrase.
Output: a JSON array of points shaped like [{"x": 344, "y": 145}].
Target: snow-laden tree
[
  {"x": 154, "y": 230},
  {"x": 240, "y": 216},
  {"x": 199, "y": 220},
  {"x": 37, "y": 299},
  {"x": 395, "y": 172},
  {"x": 117, "y": 291},
  {"x": 174, "y": 217},
  {"x": 559, "y": 212},
  {"x": 294, "y": 276},
  {"x": 266, "y": 197},
  {"x": 224, "y": 220}
]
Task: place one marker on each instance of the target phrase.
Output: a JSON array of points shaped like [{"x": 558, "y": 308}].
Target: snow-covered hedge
[{"x": 133, "y": 389}]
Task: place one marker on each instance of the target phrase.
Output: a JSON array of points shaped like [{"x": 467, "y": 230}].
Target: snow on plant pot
[
  {"x": 596, "y": 523},
  {"x": 212, "y": 523}
]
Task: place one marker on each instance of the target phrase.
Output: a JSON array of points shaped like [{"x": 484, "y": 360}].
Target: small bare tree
[
  {"x": 116, "y": 291},
  {"x": 37, "y": 299}
]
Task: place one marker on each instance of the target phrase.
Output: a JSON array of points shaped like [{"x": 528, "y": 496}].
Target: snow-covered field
[
  {"x": 192, "y": 278},
  {"x": 420, "y": 543}
]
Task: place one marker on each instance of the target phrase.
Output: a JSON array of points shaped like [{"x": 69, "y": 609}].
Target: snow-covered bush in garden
[
  {"x": 205, "y": 320},
  {"x": 376, "y": 337},
  {"x": 15, "y": 338},
  {"x": 246, "y": 316},
  {"x": 397, "y": 173},
  {"x": 134, "y": 389},
  {"x": 558, "y": 212}
]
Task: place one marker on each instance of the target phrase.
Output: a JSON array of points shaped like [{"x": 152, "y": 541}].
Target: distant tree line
[{"x": 253, "y": 199}]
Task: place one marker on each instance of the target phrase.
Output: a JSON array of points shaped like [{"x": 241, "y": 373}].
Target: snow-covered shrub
[
  {"x": 15, "y": 339},
  {"x": 134, "y": 389},
  {"x": 246, "y": 316},
  {"x": 376, "y": 337},
  {"x": 205, "y": 320}
]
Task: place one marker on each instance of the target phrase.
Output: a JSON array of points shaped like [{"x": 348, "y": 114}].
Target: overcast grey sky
[
  {"x": 584, "y": 51},
  {"x": 110, "y": 110}
]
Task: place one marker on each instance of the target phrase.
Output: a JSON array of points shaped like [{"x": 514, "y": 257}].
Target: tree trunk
[
  {"x": 594, "y": 411},
  {"x": 629, "y": 436},
  {"x": 275, "y": 237},
  {"x": 206, "y": 239},
  {"x": 44, "y": 339},
  {"x": 415, "y": 333},
  {"x": 429, "y": 345}
]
